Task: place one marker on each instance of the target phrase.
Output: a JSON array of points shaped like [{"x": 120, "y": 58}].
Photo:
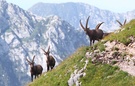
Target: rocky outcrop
[
  {"x": 76, "y": 75},
  {"x": 116, "y": 54}
]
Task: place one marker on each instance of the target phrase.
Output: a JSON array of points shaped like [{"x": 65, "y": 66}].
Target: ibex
[
  {"x": 95, "y": 34},
  {"x": 50, "y": 60},
  {"x": 121, "y": 23},
  {"x": 34, "y": 69}
]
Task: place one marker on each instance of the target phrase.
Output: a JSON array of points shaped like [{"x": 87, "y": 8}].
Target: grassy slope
[
  {"x": 124, "y": 35},
  {"x": 60, "y": 75},
  {"x": 96, "y": 75}
]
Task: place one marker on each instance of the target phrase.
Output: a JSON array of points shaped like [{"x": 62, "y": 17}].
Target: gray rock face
[
  {"x": 73, "y": 12},
  {"x": 23, "y": 34}
]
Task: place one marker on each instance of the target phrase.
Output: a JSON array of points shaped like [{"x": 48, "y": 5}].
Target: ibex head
[
  {"x": 121, "y": 23},
  {"x": 47, "y": 52},
  {"x": 31, "y": 63},
  {"x": 86, "y": 29}
]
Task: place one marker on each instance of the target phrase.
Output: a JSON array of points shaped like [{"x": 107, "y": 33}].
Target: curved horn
[
  {"x": 97, "y": 27},
  {"x": 125, "y": 21},
  {"x": 28, "y": 61},
  {"x": 43, "y": 50},
  {"x": 119, "y": 22},
  {"x": 87, "y": 22},
  {"x": 33, "y": 58},
  {"x": 48, "y": 49},
  {"x": 82, "y": 26}
]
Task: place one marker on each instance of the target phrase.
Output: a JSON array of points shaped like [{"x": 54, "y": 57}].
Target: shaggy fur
[
  {"x": 50, "y": 60},
  {"x": 95, "y": 34},
  {"x": 35, "y": 70}
]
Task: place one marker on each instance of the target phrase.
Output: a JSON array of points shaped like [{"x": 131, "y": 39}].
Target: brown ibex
[
  {"x": 34, "y": 69},
  {"x": 50, "y": 60},
  {"x": 121, "y": 23},
  {"x": 95, "y": 34}
]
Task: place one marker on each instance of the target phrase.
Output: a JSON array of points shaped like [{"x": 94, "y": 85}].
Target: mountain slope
[
  {"x": 22, "y": 35},
  {"x": 73, "y": 12},
  {"x": 97, "y": 65}
]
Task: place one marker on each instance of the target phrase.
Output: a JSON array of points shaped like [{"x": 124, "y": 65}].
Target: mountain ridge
[
  {"x": 23, "y": 35},
  {"x": 110, "y": 62},
  {"x": 73, "y": 12}
]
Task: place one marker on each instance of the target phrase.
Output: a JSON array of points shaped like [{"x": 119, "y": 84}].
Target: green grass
[
  {"x": 99, "y": 45},
  {"x": 106, "y": 75},
  {"x": 96, "y": 74},
  {"x": 60, "y": 75},
  {"x": 123, "y": 36}
]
